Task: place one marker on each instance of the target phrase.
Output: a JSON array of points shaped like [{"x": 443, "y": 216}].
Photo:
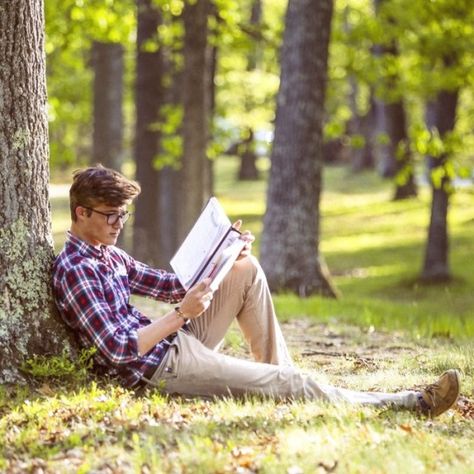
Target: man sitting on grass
[{"x": 93, "y": 281}]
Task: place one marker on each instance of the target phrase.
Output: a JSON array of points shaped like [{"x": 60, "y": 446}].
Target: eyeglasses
[{"x": 112, "y": 217}]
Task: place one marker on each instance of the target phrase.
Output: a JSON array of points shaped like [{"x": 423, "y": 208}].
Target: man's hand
[
  {"x": 248, "y": 237},
  {"x": 197, "y": 299}
]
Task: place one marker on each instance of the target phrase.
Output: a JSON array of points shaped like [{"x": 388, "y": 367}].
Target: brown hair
[{"x": 100, "y": 185}]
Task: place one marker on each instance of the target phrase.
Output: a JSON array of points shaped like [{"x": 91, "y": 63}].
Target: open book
[{"x": 209, "y": 250}]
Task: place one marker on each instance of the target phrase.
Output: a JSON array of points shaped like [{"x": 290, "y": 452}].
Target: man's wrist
[{"x": 181, "y": 315}]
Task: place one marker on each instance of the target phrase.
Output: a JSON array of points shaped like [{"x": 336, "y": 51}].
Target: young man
[{"x": 93, "y": 281}]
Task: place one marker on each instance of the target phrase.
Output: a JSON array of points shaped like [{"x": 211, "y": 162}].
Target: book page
[
  {"x": 226, "y": 248},
  {"x": 201, "y": 242},
  {"x": 224, "y": 263}
]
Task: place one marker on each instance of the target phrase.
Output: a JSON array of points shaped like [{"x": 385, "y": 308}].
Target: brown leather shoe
[{"x": 441, "y": 395}]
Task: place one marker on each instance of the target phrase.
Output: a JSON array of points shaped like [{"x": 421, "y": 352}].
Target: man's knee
[{"x": 247, "y": 267}]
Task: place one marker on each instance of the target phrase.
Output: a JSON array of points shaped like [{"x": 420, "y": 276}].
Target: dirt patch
[
  {"x": 340, "y": 351},
  {"x": 323, "y": 342},
  {"x": 316, "y": 345}
]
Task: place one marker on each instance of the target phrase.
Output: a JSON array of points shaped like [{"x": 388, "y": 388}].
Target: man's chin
[{"x": 113, "y": 239}]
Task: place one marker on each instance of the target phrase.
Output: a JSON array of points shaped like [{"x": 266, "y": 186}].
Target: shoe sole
[{"x": 458, "y": 387}]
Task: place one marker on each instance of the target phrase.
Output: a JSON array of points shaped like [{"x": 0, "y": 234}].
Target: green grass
[
  {"x": 108, "y": 429},
  {"x": 385, "y": 332},
  {"x": 374, "y": 248}
]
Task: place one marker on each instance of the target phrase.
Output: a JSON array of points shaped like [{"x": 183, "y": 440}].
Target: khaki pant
[{"x": 193, "y": 365}]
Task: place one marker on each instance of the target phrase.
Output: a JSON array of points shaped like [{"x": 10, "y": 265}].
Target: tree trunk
[
  {"x": 211, "y": 64},
  {"x": 290, "y": 241},
  {"x": 385, "y": 165},
  {"x": 28, "y": 320},
  {"x": 169, "y": 176},
  {"x": 248, "y": 158},
  {"x": 362, "y": 157},
  {"x": 108, "y": 93},
  {"x": 442, "y": 114},
  {"x": 404, "y": 166},
  {"x": 360, "y": 126},
  {"x": 195, "y": 121},
  {"x": 148, "y": 98},
  {"x": 397, "y": 159}
]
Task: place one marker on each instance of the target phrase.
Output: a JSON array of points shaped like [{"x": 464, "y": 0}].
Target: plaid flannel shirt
[{"x": 92, "y": 288}]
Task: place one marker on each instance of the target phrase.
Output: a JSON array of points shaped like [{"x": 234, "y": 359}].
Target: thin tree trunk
[
  {"x": 359, "y": 125},
  {"x": 385, "y": 165},
  {"x": 248, "y": 158},
  {"x": 28, "y": 321},
  {"x": 148, "y": 98},
  {"x": 195, "y": 120},
  {"x": 442, "y": 115},
  {"x": 211, "y": 65},
  {"x": 362, "y": 157},
  {"x": 397, "y": 159},
  {"x": 290, "y": 241},
  {"x": 108, "y": 98},
  {"x": 170, "y": 199},
  {"x": 405, "y": 186}
]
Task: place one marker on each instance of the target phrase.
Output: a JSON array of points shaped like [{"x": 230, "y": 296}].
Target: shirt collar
[{"x": 87, "y": 249}]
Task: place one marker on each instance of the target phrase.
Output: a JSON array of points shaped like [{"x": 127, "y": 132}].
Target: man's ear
[{"x": 81, "y": 213}]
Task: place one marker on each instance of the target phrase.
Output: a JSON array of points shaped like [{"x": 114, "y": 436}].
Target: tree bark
[
  {"x": 195, "y": 120},
  {"x": 290, "y": 241},
  {"x": 108, "y": 98},
  {"x": 28, "y": 321},
  {"x": 148, "y": 98},
  {"x": 441, "y": 115}
]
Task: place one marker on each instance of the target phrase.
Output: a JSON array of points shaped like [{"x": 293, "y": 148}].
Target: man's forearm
[{"x": 149, "y": 336}]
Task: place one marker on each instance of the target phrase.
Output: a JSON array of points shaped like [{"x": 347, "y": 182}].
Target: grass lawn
[{"x": 385, "y": 332}]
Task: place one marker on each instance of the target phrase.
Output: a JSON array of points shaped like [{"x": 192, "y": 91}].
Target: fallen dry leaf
[{"x": 465, "y": 407}]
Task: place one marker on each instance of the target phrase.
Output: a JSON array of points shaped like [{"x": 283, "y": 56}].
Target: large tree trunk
[
  {"x": 441, "y": 115},
  {"x": 195, "y": 120},
  {"x": 148, "y": 98},
  {"x": 28, "y": 322},
  {"x": 108, "y": 94},
  {"x": 290, "y": 242}
]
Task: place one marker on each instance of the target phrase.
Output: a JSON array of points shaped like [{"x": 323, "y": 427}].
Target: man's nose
[{"x": 119, "y": 223}]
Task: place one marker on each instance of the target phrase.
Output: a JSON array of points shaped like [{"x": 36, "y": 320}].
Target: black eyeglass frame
[{"x": 111, "y": 216}]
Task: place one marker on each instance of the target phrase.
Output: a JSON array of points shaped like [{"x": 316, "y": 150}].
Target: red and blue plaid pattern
[{"x": 92, "y": 288}]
